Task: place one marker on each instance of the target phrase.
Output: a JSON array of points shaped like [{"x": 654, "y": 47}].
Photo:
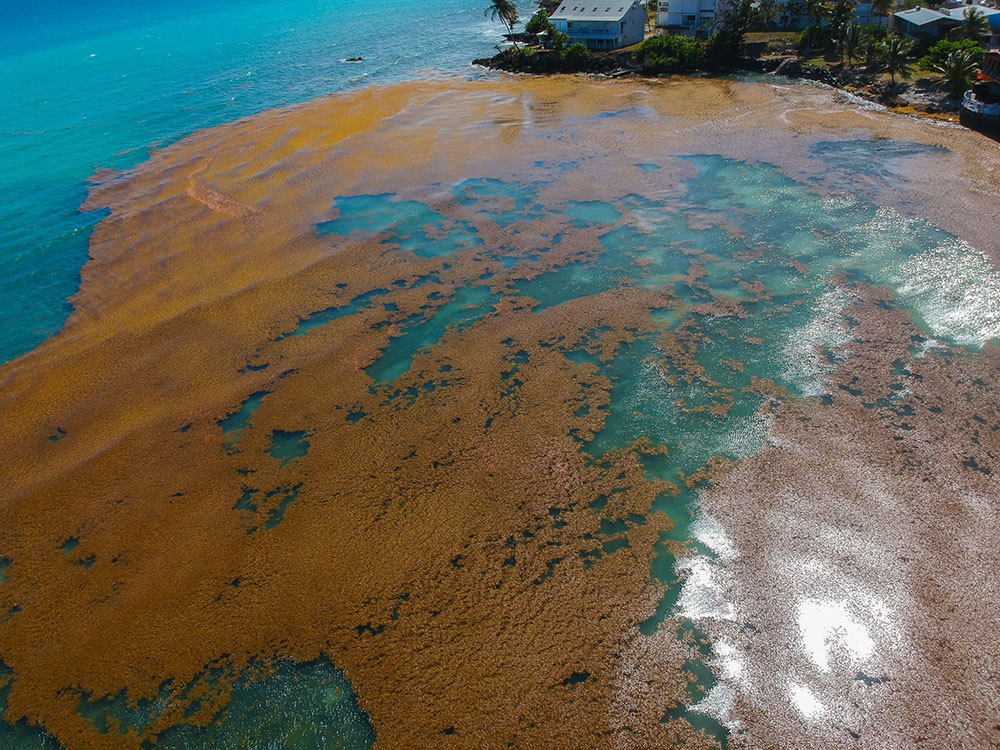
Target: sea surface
[{"x": 96, "y": 85}]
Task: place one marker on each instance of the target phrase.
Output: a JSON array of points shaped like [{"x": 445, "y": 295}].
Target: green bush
[
  {"x": 939, "y": 52},
  {"x": 817, "y": 37},
  {"x": 555, "y": 40},
  {"x": 668, "y": 52},
  {"x": 576, "y": 53}
]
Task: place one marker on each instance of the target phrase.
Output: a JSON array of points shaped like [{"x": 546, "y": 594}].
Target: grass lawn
[{"x": 774, "y": 36}]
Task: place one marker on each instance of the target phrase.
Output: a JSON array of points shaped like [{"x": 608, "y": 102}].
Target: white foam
[
  {"x": 719, "y": 703},
  {"x": 926, "y": 346},
  {"x": 747, "y": 436},
  {"x": 805, "y": 700},
  {"x": 826, "y": 625},
  {"x": 954, "y": 287},
  {"x": 731, "y": 662},
  {"x": 805, "y": 364},
  {"x": 956, "y": 290},
  {"x": 711, "y": 533},
  {"x": 703, "y": 593}
]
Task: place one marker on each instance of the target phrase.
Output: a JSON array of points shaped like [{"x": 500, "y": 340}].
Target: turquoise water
[
  {"x": 306, "y": 706},
  {"x": 95, "y": 85}
]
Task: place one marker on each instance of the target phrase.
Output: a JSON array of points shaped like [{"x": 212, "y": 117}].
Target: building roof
[
  {"x": 959, "y": 12},
  {"x": 593, "y": 10},
  {"x": 922, "y": 16},
  {"x": 992, "y": 14}
]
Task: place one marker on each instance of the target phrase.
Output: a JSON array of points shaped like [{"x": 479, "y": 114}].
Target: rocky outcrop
[{"x": 546, "y": 62}]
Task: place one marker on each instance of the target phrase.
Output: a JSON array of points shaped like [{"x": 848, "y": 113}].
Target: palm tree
[
  {"x": 816, "y": 11},
  {"x": 872, "y": 52},
  {"x": 506, "y": 11},
  {"x": 883, "y": 7},
  {"x": 849, "y": 41},
  {"x": 768, "y": 10},
  {"x": 841, "y": 13},
  {"x": 974, "y": 25},
  {"x": 956, "y": 70},
  {"x": 895, "y": 54}
]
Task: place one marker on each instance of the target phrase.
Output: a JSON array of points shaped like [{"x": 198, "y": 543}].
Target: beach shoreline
[{"x": 619, "y": 65}]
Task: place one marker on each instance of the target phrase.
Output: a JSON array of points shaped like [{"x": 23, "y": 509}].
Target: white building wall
[
  {"x": 689, "y": 14},
  {"x": 634, "y": 30}
]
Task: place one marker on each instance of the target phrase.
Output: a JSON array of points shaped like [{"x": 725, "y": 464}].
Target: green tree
[
  {"x": 577, "y": 53},
  {"x": 841, "y": 13},
  {"x": 554, "y": 39},
  {"x": 538, "y": 23},
  {"x": 941, "y": 49},
  {"x": 956, "y": 71},
  {"x": 872, "y": 52},
  {"x": 767, "y": 11},
  {"x": 669, "y": 52},
  {"x": 849, "y": 39},
  {"x": 882, "y": 7},
  {"x": 727, "y": 42},
  {"x": 895, "y": 56},
  {"x": 506, "y": 11},
  {"x": 974, "y": 25},
  {"x": 817, "y": 11}
]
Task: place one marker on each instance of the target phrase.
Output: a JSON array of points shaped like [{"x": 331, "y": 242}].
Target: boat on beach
[{"x": 981, "y": 104}]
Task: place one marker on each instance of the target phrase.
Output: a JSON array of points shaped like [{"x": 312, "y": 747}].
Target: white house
[
  {"x": 702, "y": 14},
  {"x": 603, "y": 24},
  {"x": 926, "y": 23},
  {"x": 687, "y": 14}
]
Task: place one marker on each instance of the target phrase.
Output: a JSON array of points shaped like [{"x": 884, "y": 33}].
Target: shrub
[
  {"x": 576, "y": 53},
  {"x": 668, "y": 53},
  {"x": 939, "y": 52},
  {"x": 817, "y": 37},
  {"x": 555, "y": 40},
  {"x": 957, "y": 71}
]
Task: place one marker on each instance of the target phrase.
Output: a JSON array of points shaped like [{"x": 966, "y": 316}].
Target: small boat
[{"x": 981, "y": 104}]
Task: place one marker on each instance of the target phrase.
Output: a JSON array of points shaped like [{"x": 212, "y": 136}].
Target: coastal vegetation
[
  {"x": 506, "y": 12},
  {"x": 956, "y": 71},
  {"x": 869, "y": 59},
  {"x": 662, "y": 54},
  {"x": 974, "y": 25}
]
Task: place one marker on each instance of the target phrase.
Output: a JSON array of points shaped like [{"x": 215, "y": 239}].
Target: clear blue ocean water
[{"x": 92, "y": 85}]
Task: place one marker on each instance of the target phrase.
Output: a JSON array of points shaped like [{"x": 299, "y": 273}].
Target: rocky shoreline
[{"x": 905, "y": 98}]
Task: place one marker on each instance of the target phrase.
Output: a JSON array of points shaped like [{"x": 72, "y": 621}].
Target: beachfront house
[
  {"x": 686, "y": 14},
  {"x": 922, "y": 23},
  {"x": 601, "y": 25},
  {"x": 702, "y": 14},
  {"x": 927, "y": 23}
]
